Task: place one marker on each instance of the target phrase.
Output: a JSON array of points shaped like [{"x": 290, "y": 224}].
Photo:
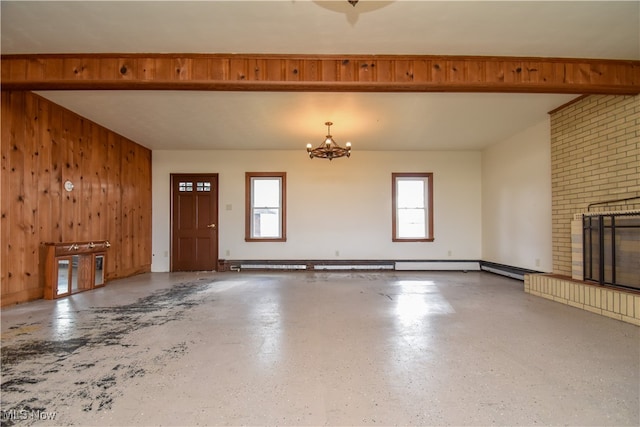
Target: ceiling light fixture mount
[
  {"x": 329, "y": 149},
  {"x": 353, "y": 2}
]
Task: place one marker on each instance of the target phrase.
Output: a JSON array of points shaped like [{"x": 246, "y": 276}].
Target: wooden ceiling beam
[{"x": 333, "y": 73}]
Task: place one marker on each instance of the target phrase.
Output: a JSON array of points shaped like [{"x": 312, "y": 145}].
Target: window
[
  {"x": 185, "y": 186},
  {"x": 265, "y": 207},
  {"x": 203, "y": 186},
  {"x": 412, "y": 195}
]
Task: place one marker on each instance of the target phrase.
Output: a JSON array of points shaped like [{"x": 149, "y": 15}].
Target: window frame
[
  {"x": 428, "y": 178},
  {"x": 249, "y": 178}
]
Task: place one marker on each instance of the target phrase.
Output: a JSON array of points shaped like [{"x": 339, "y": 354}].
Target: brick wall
[{"x": 595, "y": 156}]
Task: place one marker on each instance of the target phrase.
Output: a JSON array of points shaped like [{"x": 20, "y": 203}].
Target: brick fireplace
[{"x": 595, "y": 157}]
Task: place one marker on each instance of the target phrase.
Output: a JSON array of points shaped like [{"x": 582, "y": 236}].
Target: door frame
[{"x": 172, "y": 179}]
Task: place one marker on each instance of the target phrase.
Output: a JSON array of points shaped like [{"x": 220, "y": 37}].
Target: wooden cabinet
[{"x": 73, "y": 267}]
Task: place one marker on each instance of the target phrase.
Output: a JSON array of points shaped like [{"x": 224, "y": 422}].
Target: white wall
[
  {"x": 516, "y": 200},
  {"x": 343, "y": 205}
]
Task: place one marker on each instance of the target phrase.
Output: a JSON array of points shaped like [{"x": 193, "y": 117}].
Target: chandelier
[{"x": 329, "y": 149}]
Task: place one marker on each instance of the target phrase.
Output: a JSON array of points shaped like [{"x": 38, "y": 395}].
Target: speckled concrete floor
[{"x": 396, "y": 348}]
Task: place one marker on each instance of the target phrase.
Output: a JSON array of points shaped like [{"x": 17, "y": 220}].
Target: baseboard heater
[
  {"x": 438, "y": 265},
  {"x": 268, "y": 266},
  {"x": 350, "y": 265},
  {"x": 376, "y": 265},
  {"x": 506, "y": 270},
  {"x": 310, "y": 265}
]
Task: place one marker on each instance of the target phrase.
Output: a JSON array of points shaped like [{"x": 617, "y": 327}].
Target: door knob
[{"x": 211, "y": 226}]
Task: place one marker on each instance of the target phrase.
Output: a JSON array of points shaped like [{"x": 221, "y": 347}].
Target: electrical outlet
[
  {"x": 227, "y": 252},
  {"x": 337, "y": 253}
]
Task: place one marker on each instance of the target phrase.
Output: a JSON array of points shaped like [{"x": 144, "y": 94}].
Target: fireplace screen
[{"x": 612, "y": 249}]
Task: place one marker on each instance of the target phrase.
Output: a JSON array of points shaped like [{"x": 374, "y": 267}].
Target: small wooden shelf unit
[{"x": 75, "y": 267}]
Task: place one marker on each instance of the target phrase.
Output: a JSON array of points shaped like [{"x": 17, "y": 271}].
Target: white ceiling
[{"x": 280, "y": 120}]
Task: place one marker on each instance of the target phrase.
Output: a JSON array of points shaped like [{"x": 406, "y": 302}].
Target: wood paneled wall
[{"x": 43, "y": 145}]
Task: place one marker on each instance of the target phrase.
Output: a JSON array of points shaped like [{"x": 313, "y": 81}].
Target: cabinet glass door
[
  {"x": 99, "y": 270},
  {"x": 75, "y": 261},
  {"x": 64, "y": 276}
]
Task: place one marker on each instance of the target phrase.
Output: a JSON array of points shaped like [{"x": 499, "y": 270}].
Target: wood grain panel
[
  {"x": 97, "y": 183},
  {"x": 292, "y": 70},
  {"x": 546, "y": 71},
  {"x": 255, "y": 69},
  {"x": 35, "y": 69},
  {"x": 53, "y": 69},
  {"x": 366, "y": 71},
  {"x": 127, "y": 208},
  {"x": 13, "y": 238},
  {"x": 67, "y": 216},
  {"x": 200, "y": 69},
  {"x": 72, "y": 68},
  {"x": 311, "y": 70},
  {"x": 30, "y": 194},
  {"x": 513, "y": 72},
  {"x": 237, "y": 69},
  {"x": 83, "y": 184},
  {"x": 531, "y": 72},
  {"x": 328, "y": 71},
  {"x": 348, "y": 71},
  {"x": 114, "y": 199},
  {"x": 403, "y": 71},
  {"x": 423, "y": 69},
  {"x": 384, "y": 70},
  {"x": 494, "y": 73},
  {"x": 146, "y": 69},
  {"x": 109, "y": 68},
  {"x": 6, "y": 121},
  {"x": 54, "y": 128},
  {"x": 126, "y": 68},
  {"x": 142, "y": 245},
  {"x": 457, "y": 71},
  {"x": 183, "y": 68},
  {"x": 164, "y": 69},
  {"x": 17, "y": 238},
  {"x": 219, "y": 69},
  {"x": 44, "y": 172},
  {"x": 43, "y": 145},
  {"x": 17, "y": 70}
]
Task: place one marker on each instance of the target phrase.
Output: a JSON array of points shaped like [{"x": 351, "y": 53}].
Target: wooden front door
[{"x": 194, "y": 222}]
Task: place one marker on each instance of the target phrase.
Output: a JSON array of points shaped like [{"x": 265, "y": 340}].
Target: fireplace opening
[{"x": 611, "y": 244}]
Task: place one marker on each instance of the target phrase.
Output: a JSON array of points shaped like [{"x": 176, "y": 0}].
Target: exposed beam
[{"x": 336, "y": 73}]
